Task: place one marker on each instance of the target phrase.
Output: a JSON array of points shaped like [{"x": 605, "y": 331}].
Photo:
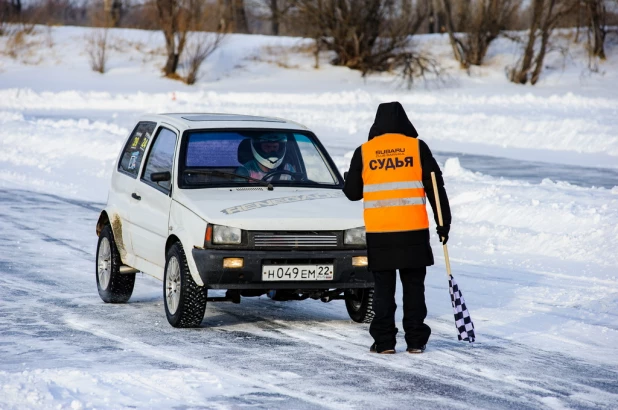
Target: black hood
[{"x": 391, "y": 118}]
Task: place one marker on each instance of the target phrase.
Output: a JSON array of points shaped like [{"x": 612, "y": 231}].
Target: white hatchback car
[{"x": 190, "y": 204}]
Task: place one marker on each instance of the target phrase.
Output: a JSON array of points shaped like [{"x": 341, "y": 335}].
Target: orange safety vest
[{"x": 393, "y": 192}]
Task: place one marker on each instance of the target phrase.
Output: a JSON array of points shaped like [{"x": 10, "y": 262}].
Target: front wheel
[
  {"x": 359, "y": 303},
  {"x": 185, "y": 300},
  {"x": 113, "y": 286}
]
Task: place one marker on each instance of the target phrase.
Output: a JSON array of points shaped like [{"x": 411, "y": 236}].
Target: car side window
[
  {"x": 134, "y": 150},
  {"x": 161, "y": 158},
  {"x": 317, "y": 168}
]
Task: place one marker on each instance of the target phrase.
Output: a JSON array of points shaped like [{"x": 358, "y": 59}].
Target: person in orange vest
[{"x": 391, "y": 172}]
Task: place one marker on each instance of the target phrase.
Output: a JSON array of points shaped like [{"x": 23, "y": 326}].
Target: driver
[{"x": 268, "y": 153}]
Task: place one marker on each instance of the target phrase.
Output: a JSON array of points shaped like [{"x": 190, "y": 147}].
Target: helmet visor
[{"x": 270, "y": 146}]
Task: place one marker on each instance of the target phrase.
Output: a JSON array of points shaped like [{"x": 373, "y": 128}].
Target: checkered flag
[{"x": 463, "y": 321}]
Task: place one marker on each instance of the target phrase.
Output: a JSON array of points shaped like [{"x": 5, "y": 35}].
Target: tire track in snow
[
  {"x": 145, "y": 349},
  {"x": 299, "y": 354},
  {"x": 493, "y": 374},
  {"x": 45, "y": 237}
]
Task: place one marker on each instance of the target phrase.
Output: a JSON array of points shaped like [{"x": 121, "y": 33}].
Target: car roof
[{"x": 220, "y": 120}]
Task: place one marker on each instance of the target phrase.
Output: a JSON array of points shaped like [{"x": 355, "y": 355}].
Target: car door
[
  {"x": 152, "y": 201},
  {"x": 124, "y": 179}
]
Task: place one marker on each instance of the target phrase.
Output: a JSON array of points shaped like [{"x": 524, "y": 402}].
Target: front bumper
[{"x": 210, "y": 267}]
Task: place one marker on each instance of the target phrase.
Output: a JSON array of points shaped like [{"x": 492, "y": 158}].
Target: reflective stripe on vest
[
  {"x": 394, "y": 197},
  {"x": 392, "y": 185},
  {"x": 384, "y": 203}
]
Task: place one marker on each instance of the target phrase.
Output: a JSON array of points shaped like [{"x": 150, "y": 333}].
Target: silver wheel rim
[
  {"x": 104, "y": 263},
  {"x": 172, "y": 285}
]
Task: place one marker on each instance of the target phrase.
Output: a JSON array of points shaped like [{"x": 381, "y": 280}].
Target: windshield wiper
[{"x": 204, "y": 171}]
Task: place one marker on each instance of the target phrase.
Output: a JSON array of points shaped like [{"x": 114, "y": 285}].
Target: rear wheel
[
  {"x": 359, "y": 303},
  {"x": 113, "y": 286},
  {"x": 185, "y": 300}
]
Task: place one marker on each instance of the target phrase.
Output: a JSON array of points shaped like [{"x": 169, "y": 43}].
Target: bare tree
[
  {"x": 545, "y": 16},
  {"x": 597, "y": 25},
  {"x": 97, "y": 42},
  {"x": 4, "y": 18},
  {"x": 114, "y": 10},
  {"x": 15, "y": 7},
  {"x": 415, "y": 65},
  {"x": 233, "y": 16},
  {"x": 366, "y": 34},
  {"x": 277, "y": 10},
  {"x": 176, "y": 18},
  {"x": 480, "y": 22},
  {"x": 62, "y": 12},
  {"x": 306, "y": 18},
  {"x": 10, "y": 11},
  {"x": 369, "y": 35},
  {"x": 97, "y": 48},
  {"x": 199, "y": 47},
  {"x": 140, "y": 14},
  {"x": 240, "y": 16}
]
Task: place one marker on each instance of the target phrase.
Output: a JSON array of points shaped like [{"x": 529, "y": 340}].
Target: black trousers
[{"x": 382, "y": 328}]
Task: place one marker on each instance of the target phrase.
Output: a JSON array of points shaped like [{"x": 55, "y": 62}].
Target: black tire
[
  {"x": 359, "y": 303},
  {"x": 119, "y": 287},
  {"x": 191, "y": 298}
]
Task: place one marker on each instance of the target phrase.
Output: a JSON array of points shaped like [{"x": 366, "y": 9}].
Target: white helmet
[{"x": 271, "y": 159}]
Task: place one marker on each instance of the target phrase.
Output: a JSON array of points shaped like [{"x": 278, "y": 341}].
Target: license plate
[{"x": 297, "y": 272}]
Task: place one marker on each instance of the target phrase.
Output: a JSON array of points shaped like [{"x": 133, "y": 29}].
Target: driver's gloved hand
[{"x": 443, "y": 233}]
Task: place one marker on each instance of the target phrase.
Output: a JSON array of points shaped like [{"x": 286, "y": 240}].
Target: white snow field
[{"x": 531, "y": 172}]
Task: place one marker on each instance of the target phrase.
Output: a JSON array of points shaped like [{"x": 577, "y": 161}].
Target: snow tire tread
[
  {"x": 365, "y": 313},
  {"x": 120, "y": 287},
  {"x": 369, "y": 313},
  {"x": 192, "y": 304}
]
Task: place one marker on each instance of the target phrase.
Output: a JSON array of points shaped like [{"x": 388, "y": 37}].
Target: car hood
[{"x": 281, "y": 209}]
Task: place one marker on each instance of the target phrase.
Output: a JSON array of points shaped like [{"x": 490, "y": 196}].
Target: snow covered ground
[{"x": 532, "y": 173}]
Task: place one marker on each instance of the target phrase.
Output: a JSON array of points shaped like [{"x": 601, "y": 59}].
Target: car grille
[{"x": 268, "y": 240}]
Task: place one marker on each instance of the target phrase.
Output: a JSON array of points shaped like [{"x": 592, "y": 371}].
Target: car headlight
[
  {"x": 226, "y": 235},
  {"x": 355, "y": 236}
]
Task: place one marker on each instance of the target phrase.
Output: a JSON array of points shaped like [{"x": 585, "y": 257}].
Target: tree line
[{"x": 365, "y": 35}]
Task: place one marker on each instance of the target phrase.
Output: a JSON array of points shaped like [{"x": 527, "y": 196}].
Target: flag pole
[
  {"x": 440, "y": 221},
  {"x": 463, "y": 321}
]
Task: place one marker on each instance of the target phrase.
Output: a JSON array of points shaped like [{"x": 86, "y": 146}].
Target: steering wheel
[{"x": 296, "y": 176}]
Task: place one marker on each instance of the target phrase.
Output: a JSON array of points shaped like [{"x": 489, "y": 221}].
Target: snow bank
[
  {"x": 66, "y": 156},
  {"x": 530, "y": 222},
  {"x": 555, "y": 123}
]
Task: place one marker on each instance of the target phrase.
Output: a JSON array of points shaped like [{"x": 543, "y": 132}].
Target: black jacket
[{"x": 398, "y": 250}]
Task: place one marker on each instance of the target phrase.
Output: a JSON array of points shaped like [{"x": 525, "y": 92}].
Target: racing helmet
[{"x": 269, "y": 149}]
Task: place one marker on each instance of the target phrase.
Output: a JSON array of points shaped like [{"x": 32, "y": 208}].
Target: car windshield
[{"x": 247, "y": 157}]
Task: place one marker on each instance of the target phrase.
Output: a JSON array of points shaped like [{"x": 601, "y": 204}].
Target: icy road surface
[
  {"x": 62, "y": 346},
  {"x": 533, "y": 171}
]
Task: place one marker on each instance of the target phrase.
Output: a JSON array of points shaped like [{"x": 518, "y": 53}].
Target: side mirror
[
  {"x": 161, "y": 176},
  {"x": 345, "y": 175}
]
